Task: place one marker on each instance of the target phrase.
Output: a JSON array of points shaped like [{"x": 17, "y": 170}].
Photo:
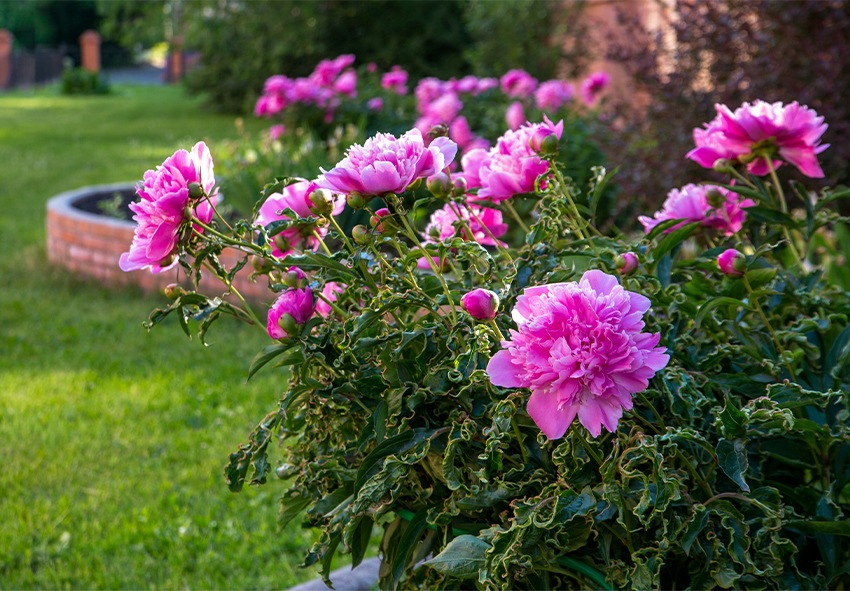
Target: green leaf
[
  {"x": 360, "y": 541},
  {"x": 599, "y": 184},
  {"x": 771, "y": 216},
  {"x": 266, "y": 355},
  {"x": 835, "y": 528},
  {"x": 411, "y": 535},
  {"x": 734, "y": 420},
  {"x": 671, "y": 240},
  {"x": 665, "y": 225},
  {"x": 732, "y": 457},
  {"x": 711, "y": 304},
  {"x": 759, "y": 277},
  {"x": 312, "y": 260},
  {"x": 394, "y": 445},
  {"x": 746, "y": 192},
  {"x": 291, "y": 504},
  {"x": 462, "y": 558}
]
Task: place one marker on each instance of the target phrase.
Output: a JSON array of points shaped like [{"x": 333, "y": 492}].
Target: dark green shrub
[{"x": 80, "y": 81}]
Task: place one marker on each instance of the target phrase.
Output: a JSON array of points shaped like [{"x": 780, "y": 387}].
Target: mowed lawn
[{"x": 112, "y": 440}]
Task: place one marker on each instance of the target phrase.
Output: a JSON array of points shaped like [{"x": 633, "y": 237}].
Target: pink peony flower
[
  {"x": 732, "y": 263},
  {"x": 511, "y": 167},
  {"x": 346, "y": 84},
  {"x": 275, "y": 131},
  {"x": 481, "y": 304},
  {"x": 471, "y": 163},
  {"x": 515, "y": 116},
  {"x": 579, "y": 348},
  {"x": 553, "y": 94},
  {"x": 277, "y": 85},
  {"x": 460, "y": 132},
  {"x": 372, "y": 67},
  {"x": 297, "y": 198},
  {"x": 427, "y": 91},
  {"x": 793, "y": 131},
  {"x": 329, "y": 291},
  {"x": 444, "y": 224},
  {"x": 467, "y": 85},
  {"x": 327, "y": 70},
  {"x": 485, "y": 84},
  {"x": 164, "y": 195},
  {"x": 518, "y": 84},
  {"x": 690, "y": 204},
  {"x": 375, "y": 104},
  {"x": 395, "y": 80},
  {"x": 445, "y": 108},
  {"x": 384, "y": 164},
  {"x": 298, "y": 304},
  {"x": 593, "y": 86}
]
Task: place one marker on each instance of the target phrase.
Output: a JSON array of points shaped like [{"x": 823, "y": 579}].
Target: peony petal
[
  {"x": 543, "y": 408},
  {"x": 503, "y": 372},
  {"x": 381, "y": 177}
]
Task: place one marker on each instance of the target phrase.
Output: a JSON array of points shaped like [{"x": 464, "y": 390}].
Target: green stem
[
  {"x": 515, "y": 215},
  {"x": 784, "y": 207},
  {"x": 581, "y": 224},
  {"x": 757, "y": 306},
  {"x": 348, "y": 244},
  {"x": 492, "y": 323},
  {"x": 758, "y": 504},
  {"x": 235, "y": 291},
  {"x": 591, "y": 452},
  {"x": 518, "y": 436},
  {"x": 322, "y": 242},
  {"x": 223, "y": 221},
  {"x": 240, "y": 244},
  {"x": 412, "y": 235},
  {"x": 333, "y": 306},
  {"x": 743, "y": 179},
  {"x": 643, "y": 399},
  {"x": 498, "y": 244}
]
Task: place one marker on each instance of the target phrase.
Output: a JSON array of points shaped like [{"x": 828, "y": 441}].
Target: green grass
[{"x": 112, "y": 440}]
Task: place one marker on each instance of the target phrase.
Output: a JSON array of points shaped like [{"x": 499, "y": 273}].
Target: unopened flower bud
[
  {"x": 382, "y": 223},
  {"x": 196, "y": 191},
  {"x": 626, "y": 263},
  {"x": 439, "y": 184},
  {"x": 355, "y": 200},
  {"x": 414, "y": 185},
  {"x": 168, "y": 260},
  {"x": 715, "y": 198},
  {"x": 295, "y": 277},
  {"x": 360, "y": 234},
  {"x": 188, "y": 212},
  {"x": 173, "y": 291},
  {"x": 732, "y": 263},
  {"x": 481, "y": 304},
  {"x": 441, "y": 130},
  {"x": 434, "y": 232},
  {"x": 288, "y": 324},
  {"x": 459, "y": 184},
  {"x": 322, "y": 202},
  {"x": 261, "y": 265},
  {"x": 281, "y": 243},
  {"x": 544, "y": 141},
  {"x": 723, "y": 165}
]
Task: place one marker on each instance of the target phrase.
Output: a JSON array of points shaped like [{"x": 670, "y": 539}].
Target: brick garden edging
[{"x": 90, "y": 244}]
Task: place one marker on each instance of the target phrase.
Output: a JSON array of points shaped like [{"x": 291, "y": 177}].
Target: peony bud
[
  {"x": 290, "y": 312},
  {"x": 481, "y": 304},
  {"x": 415, "y": 184},
  {"x": 295, "y": 277},
  {"x": 626, "y": 263},
  {"x": 732, "y": 263},
  {"x": 168, "y": 260},
  {"x": 714, "y": 198},
  {"x": 196, "y": 191},
  {"x": 544, "y": 141},
  {"x": 355, "y": 200},
  {"x": 322, "y": 202},
  {"x": 288, "y": 324},
  {"x": 173, "y": 291},
  {"x": 382, "y": 223},
  {"x": 459, "y": 186},
  {"x": 281, "y": 243},
  {"x": 723, "y": 165},
  {"x": 261, "y": 265},
  {"x": 439, "y": 184},
  {"x": 360, "y": 234}
]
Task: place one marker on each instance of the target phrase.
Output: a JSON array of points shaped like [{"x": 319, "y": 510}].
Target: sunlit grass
[{"x": 112, "y": 440}]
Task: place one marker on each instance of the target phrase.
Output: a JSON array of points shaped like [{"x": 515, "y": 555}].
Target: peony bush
[{"x": 550, "y": 407}]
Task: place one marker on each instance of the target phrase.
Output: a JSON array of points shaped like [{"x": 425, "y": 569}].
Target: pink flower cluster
[
  {"x": 518, "y": 84},
  {"x": 445, "y": 223},
  {"x": 593, "y": 86},
  {"x": 691, "y": 204},
  {"x": 297, "y": 303},
  {"x": 295, "y": 197},
  {"x": 331, "y": 80},
  {"x": 753, "y": 132},
  {"x": 553, "y": 94},
  {"x": 511, "y": 167},
  {"x": 384, "y": 164},
  {"x": 160, "y": 211},
  {"x": 395, "y": 80},
  {"x": 579, "y": 348}
]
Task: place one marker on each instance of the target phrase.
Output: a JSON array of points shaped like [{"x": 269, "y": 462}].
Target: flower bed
[
  {"x": 569, "y": 409},
  {"x": 90, "y": 244}
]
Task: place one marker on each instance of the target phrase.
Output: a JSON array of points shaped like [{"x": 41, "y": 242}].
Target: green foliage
[
  {"x": 537, "y": 36},
  {"x": 48, "y": 22},
  {"x": 80, "y": 81}
]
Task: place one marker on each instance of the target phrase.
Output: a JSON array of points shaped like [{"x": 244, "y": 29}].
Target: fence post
[
  {"x": 175, "y": 60},
  {"x": 6, "y": 39},
  {"x": 90, "y": 51}
]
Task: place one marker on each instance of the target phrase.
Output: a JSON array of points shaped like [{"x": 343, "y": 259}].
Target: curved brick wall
[{"x": 91, "y": 245}]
